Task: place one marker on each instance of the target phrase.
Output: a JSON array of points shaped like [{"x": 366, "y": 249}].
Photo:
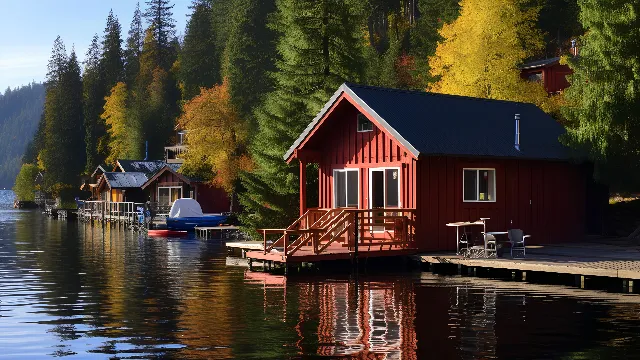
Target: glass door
[{"x": 384, "y": 192}]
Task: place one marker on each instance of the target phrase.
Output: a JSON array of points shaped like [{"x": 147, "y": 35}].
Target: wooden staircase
[{"x": 344, "y": 230}]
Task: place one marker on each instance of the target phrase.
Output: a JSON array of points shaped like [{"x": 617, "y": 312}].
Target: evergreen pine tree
[
  {"x": 93, "y": 91},
  {"x": 199, "y": 64},
  {"x": 320, "y": 48},
  {"x": 154, "y": 101},
  {"x": 162, "y": 25},
  {"x": 112, "y": 57},
  {"x": 603, "y": 101},
  {"x": 250, "y": 55},
  {"x": 64, "y": 153},
  {"x": 36, "y": 144},
  {"x": 134, "y": 47}
]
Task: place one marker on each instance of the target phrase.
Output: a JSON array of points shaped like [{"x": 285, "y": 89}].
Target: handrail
[{"x": 397, "y": 228}]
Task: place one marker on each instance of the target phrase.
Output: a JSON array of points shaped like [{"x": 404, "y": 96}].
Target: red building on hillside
[{"x": 550, "y": 72}]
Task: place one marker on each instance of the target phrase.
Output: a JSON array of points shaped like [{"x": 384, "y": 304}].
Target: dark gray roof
[
  {"x": 121, "y": 180},
  {"x": 540, "y": 63},
  {"x": 436, "y": 124},
  {"x": 149, "y": 167},
  {"x": 102, "y": 168}
]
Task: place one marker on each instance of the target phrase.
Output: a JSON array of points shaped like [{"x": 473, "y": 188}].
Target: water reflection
[{"x": 67, "y": 289}]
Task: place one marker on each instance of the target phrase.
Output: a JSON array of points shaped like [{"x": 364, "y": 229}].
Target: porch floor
[{"x": 333, "y": 252}]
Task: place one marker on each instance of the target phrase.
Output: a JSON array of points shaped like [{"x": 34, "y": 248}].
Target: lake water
[{"x": 68, "y": 290}]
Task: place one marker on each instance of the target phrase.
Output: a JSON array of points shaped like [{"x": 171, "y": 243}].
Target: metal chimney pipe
[
  {"x": 517, "y": 143},
  {"x": 146, "y": 150}
]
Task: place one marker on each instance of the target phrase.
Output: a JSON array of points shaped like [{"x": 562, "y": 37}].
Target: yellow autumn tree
[
  {"x": 115, "y": 116},
  {"x": 483, "y": 48},
  {"x": 216, "y": 137}
]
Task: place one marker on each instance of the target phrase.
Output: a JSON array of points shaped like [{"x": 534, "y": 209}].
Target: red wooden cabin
[
  {"x": 168, "y": 185},
  {"x": 405, "y": 163},
  {"x": 550, "y": 72}
]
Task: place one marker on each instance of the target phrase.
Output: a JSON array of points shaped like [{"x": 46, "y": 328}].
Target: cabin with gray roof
[
  {"x": 444, "y": 159},
  {"x": 159, "y": 182}
]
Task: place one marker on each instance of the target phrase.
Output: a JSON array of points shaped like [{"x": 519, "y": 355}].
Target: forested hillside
[
  {"x": 20, "y": 111},
  {"x": 249, "y": 75}
]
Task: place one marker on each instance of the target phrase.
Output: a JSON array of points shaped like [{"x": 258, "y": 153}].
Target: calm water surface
[{"x": 67, "y": 290}]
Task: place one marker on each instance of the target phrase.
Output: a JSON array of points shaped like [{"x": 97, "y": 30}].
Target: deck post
[
  {"x": 355, "y": 245},
  {"x": 303, "y": 187}
]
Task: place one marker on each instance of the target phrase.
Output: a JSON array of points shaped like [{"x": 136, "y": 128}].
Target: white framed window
[
  {"x": 346, "y": 189},
  {"x": 167, "y": 195},
  {"x": 479, "y": 185},
  {"x": 364, "y": 124}
]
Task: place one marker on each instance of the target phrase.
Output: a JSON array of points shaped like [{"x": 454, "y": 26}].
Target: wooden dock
[
  {"x": 586, "y": 260},
  {"x": 215, "y": 232},
  {"x": 332, "y": 253}
]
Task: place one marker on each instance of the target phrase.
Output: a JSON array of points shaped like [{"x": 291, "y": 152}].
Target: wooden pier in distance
[{"x": 215, "y": 232}]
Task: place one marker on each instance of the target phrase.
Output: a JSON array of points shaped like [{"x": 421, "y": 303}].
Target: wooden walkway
[{"x": 599, "y": 259}]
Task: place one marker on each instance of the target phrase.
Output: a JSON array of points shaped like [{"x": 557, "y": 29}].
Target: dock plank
[{"x": 577, "y": 259}]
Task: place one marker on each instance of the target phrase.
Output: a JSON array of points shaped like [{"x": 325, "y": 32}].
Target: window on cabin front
[
  {"x": 479, "y": 185},
  {"x": 364, "y": 124},
  {"x": 168, "y": 195},
  {"x": 345, "y": 188},
  {"x": 535, "y": 77}
]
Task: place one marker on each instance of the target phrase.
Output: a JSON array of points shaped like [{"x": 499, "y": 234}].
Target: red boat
[{"x": 167, "y": 233}]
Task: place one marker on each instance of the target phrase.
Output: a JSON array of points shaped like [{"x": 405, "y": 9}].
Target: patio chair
[
  {"x": 517, "y": 238},
  {"x": 490, "y": 246}
]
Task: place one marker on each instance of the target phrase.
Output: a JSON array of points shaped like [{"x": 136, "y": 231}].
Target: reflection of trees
[{"x": 177, "y": 299}]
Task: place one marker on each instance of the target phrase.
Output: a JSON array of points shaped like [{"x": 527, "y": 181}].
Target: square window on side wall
[
  {"x": 364, "y": 124},
  {"x": 479, "y": 185}
]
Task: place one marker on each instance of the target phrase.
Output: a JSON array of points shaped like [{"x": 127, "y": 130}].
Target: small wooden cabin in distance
[{"x": 450, "y": 158}]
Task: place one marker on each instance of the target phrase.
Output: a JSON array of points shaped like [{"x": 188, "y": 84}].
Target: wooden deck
[
  {"x": 597, "y": 259},
  {"x": 332, "y": 253},
  {"x": 340, "y": 234}
]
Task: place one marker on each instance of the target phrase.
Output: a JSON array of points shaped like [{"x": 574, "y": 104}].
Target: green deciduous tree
[
  {"x": 25, "y": 182},
  {"x": 121, "y": 132},
  {"x": 603, "y": 110},
  {"x": 320, "y": 47}
]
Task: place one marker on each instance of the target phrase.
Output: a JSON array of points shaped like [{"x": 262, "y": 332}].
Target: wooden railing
[
  {"x": 109, "y": 211},
  {"x": 376, "y": 229}
]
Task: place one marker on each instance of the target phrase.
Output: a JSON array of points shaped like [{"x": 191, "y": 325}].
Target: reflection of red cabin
[
  {"x": 450, "y": 158},
  {"x": 550, "y": 72}
]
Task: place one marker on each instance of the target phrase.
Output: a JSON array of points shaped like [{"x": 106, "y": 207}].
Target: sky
[{"x": 29, "y": 27}]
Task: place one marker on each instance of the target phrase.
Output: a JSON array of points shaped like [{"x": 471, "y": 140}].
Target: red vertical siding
[
  {"x": 545, "y": 199},
  {"x": 341, "y": 146}
]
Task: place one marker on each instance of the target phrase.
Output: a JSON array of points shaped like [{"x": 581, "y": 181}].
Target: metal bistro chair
[
  {"x": 465, "y": 244},
  {"x": 490, "y": 246},
  {"x": 517, "y": 238}
]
